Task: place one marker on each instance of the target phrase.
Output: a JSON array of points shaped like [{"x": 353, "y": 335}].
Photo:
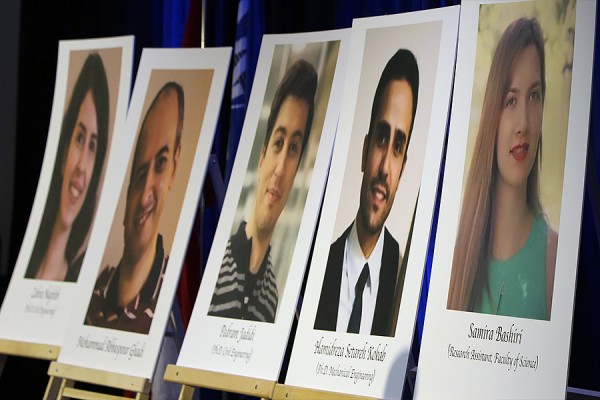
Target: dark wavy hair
[
  {"x": 299, "y": 81},
  {"x": 92, "y": 78}
]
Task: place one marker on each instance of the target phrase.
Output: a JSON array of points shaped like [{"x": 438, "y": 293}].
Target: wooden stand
[
  {"x": 30, "y": 350},
  {"x": 192, "y": 378},
  {"x": 285, "y": 392},
  {"x": 63, "y": 376},
  {"x": 67, "y": 375}
]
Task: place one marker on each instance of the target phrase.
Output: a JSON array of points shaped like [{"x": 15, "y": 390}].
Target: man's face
[
  {"x": 279, "y": 162},
  {"x": 152, "y": 173},
  {"x": 383, "y": 155}
]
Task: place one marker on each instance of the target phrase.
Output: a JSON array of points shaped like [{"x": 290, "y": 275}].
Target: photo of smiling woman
[
  {"x": 505, "y": 250},
  {"x": 60, "y": 245}
]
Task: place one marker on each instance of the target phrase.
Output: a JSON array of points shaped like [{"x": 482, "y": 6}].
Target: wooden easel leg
[
  {"x": 187, "y": 392},
  {"x": 55, "y": 387},
  {"x": 52, "y": 388}
]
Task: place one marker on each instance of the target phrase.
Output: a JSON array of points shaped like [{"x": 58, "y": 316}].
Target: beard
[{"x": 373, "y": 216}]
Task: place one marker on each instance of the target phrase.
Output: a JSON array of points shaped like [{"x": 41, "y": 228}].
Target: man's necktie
[{"x": 354, "y": 323}]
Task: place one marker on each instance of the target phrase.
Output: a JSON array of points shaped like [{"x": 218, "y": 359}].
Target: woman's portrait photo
[
  {"x": 78, "y": 170},
  {"x": 505, "y": 250}
]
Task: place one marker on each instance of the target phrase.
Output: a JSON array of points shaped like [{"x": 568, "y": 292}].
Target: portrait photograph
[
  {"x": 84, "y": 143},
  {"x": 381, "y": 179},
  {"x": 504, "y": 267},
  {"x": 276, "y": 184},
  {"x": 248, "y": 296},
  {"x": 130, "y": 276},
  {"x": 366, "y": 270},
  {"x": 91, "y": 94},
  {"x": 148, "y": 212},
  {"x": 505, "y": 250}
]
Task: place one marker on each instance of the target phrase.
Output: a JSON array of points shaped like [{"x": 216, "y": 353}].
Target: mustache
[{"x": 379, "y": 182}]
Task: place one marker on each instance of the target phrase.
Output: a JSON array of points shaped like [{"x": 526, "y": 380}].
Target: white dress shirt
[{"x": 354, "y": 261}]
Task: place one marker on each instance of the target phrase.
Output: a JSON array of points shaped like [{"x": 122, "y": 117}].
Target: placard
[
  {"x": 132, "y": 269},
  {"x": 500, "y": 303},
  {"x": 264, "y": 235},
  {"x": 88, "y": 113},
  {"x": 387, "y": 155}
]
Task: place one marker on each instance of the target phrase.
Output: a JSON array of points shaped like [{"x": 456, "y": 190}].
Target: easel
[
  {"x": 286, "y": 392},
  {"x": 31, "y": 350},
  {"x": 63, "y": 376},
  {"x": 67, "y": 375},
  {"x": 191, "y": 378}
]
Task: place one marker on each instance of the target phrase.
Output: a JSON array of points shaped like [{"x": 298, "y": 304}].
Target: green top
[{"x": 517, "y": 286}]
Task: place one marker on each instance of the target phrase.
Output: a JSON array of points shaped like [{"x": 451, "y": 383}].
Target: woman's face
[
  {"x": 78, "y": 164},
  {"x": 520, "y": 120}
]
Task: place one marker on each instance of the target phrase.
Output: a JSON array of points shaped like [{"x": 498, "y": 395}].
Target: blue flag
[{"x": 249, "y": 31}]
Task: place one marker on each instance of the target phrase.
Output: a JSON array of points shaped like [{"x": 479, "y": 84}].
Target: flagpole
[{"x": 203, "y": 24}]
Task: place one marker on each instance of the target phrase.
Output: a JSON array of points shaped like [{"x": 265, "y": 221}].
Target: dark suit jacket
[{"x": 330, "y": 292}]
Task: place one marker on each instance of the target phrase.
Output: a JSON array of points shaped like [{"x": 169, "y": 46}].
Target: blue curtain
[{"x": 174, "y": 17}]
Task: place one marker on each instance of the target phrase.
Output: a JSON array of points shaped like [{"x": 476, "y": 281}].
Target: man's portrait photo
[
  {"x": 258, "y": 253},
  {"x": 366, "y": 264},
  {"x": 137, "y": 252}
]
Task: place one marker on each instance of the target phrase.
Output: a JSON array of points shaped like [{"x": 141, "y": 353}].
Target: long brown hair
[{"x": 471, "y": 250}]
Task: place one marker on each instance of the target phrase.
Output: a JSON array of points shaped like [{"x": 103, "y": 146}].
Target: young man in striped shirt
[{"x": 246, "y": 286}]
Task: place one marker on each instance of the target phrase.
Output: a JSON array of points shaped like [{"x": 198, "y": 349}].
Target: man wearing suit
[{"x": 362, "y": 268}]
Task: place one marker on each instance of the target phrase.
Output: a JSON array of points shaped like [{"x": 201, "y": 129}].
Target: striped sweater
[
  {"x": 240, "y": 294},
  {"x": 104, "y": 309}
]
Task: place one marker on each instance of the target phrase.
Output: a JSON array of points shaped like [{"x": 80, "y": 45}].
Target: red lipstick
[{"x": 519, "y": 151}]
